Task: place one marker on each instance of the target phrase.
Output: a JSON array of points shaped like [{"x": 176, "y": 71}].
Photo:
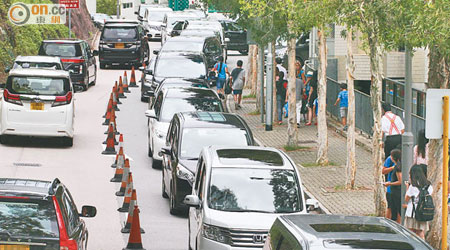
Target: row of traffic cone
[{"x": 122, "y": 164}]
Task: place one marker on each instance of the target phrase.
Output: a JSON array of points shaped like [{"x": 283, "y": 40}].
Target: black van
[{"x": 123, "y": 43}]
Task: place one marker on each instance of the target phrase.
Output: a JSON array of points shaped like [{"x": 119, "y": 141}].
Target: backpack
[{"x": 425, "y": 207}]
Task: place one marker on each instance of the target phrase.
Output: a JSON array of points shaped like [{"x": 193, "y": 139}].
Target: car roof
[
  {"x": 204, "y": 119},
  {"x": 181, "y": 14},
  {"x": 190, "y": 92},
  {"x": 39, "y": 72},
  {"x": 176, "y": 54},
  {"x": 198, "y": 32},
  {"x": 179, "y": 39},
  {"x": 63, "y": 41},
  {"x": 320, "y": 227},
  {"x": 25, "y": 186},
  {"x": 249, "y": 156},
  {"x": 122, "y": 21},
  {"x": 45, "y": 59},
  {"x": 204, "y": 22},
  {"x": 179, "y": 81},
  {"x": 118, "y": 24}
]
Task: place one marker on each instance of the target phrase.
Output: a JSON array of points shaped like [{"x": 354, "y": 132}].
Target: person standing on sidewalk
[
  {"x": 281, "y": 94},
  {"x": 392, "y": 128},
  {"x": 395, "y": 184},
  {"x": 343, "y": 105},
  {"x": 421, "y": 149},
  {"x": 221, "y": 69},
  {"x": 388, "y": 167},
  {"x": 238, "y": 78},
  {"x": 311, "y": 88},
  {"x": 280, "y": 67}
]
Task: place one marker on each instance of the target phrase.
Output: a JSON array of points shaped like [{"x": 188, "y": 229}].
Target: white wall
[{"x": 92, "y": 6}]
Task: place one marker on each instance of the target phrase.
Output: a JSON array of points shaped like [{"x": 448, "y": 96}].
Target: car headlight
[
  {"x": 159, "y": 133},
  {"x": 185, "y": 174},
  {"x": 215, "y": 234}
]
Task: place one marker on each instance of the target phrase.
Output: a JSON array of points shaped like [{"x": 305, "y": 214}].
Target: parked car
[
  {"x": 320, "y": 232},
  {"x": 186, "y": 65},
  {"x": 153, "y": 20},
  {"x": 123, "y": 43},
  {"x": 40, "y": 62},
  {"x": 209, "y": 46},
  {"x": 175, "y": 83},
  {"x": 188, "y": 134},
  {"x": 170, "y": 20},
  {"x": 146, "y": 83},
  {"x": 99, "y": 19},
  {"x": 237, "y": 36},
  {"x": 37, "y": 214},
  {"x": 168, "y": 102},
  {"x": 37, "y": 102},
  {"x": 216, "y": 28},
  {"x": 76, "y": 56},
  {"x": 141, "y": 10},
  {"x": 237, "y": 195}
]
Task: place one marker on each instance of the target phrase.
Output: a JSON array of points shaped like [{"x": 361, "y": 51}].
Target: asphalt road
[{"x": 86, "y": 172}]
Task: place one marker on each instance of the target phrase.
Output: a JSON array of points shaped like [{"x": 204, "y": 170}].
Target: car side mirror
[
  {"x": 149, "y": 36},
  {"x": 77, "y": 88},
  {"x": 166, "y": 151},
  {"x": 151, "y": 114},
  {"x": 312, "y": 204},
  {"x": 7, "y": 69},
  {"x": 156, "y": 51},
  {"x": 88, "y": 211},
  {"x": 95, "y": 53},
  {"x": 192, "y": 201}
]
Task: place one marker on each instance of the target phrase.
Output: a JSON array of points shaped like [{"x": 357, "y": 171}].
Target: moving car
[
  {"x": 153, "y": 20},
  {"x": 76, "y": 56},
  {"x": 40, "y": 62},
  {"x": 168, "y": 102},
  {"x": 188, "y": 134},
  {"x": 99, "y": 19},
  {"x": 37, "y": 214},
  {"x": 209, "y": 46},
  {"x": 123, "y": 43},
  {"x": 170, "y": 20},
  {"x": 237, "y": 195},
  {"x": 141, "y": 11},
  {"x": 237, "y": 36},
  {"x": 321, "y": 232},
  {"x": 37, "y": 102}
]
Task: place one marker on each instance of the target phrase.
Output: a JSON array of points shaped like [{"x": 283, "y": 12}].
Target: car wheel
[
  {"x": 243, "y": 52},
  {"x": 102, "y": 65},
  {"x": 163, "y": 187},
  {"x": 3, "y": 139},
  {"x": 156, "y": 164},
  {"x": 86, "y": 83},
  {"x": 150, "y": 152},
  {"x": 143, "y": 99},
  {"x": 68, "y": 141},
  {"x": 173, "y": 202}
]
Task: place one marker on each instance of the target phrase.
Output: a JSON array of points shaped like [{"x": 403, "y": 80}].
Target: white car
[
  {"x": 153, "y": 20},
  {"x": 171, "y": 18},
  {"x": 38, "y": 103},
  {"x": 238, "y": 193}
]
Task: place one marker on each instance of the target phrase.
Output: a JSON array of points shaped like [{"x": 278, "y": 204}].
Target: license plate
[
  {"x": 119, "y": 46},
  {"x": 36, "y": 106},
  {"x": 14, "y": 247}
]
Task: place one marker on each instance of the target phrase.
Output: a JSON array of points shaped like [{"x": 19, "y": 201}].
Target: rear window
[
  {"x": 61, "y": 49},
  {"x": 119, "y": 33},
  {"x": 367, "y": 244},
  {"x": 31, "y": 85},
  {"x": 35, "y": 218},
  {"x": 38, "y": 65}
]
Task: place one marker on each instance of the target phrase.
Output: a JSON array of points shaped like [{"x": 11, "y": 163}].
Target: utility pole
[
  {"x": 70, "y": 23},
  {"x": 407, "y": 137},
  {"x": 118, "y": 9},
  {"x": 269, "y": 89},
  {"x": 261, "y": 76}
]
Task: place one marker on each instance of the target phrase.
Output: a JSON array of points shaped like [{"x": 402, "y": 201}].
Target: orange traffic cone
[
  {"x": 131, "y": 222},
  {"x": 133, "y": 79},
  {"x": 111, "y": 133},
  {"x": 110, "y": 150},
  {"x": 135, "y": 240},
  {"x": 113, "y": 121},
  {"x": 120, "y": 157},
  {"x": 108, "y": 108},
  {"x": 108, "y": 114},
  {"x": 116, "y": 93},
  {"x": 119, "y": 176},
  {"x": 125, "y": 83},
  {"x": 128, "y": 184},
  {"x": 127, "y": 200},
  {"x": 121, "y": 94}
]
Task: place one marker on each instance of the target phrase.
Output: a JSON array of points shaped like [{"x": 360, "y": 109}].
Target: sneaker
[
  {"x": 298, "y": 125},
  {"x": 221, "y": 96}
]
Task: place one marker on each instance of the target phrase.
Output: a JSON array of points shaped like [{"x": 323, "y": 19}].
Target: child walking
[{"x": 343, "y": 104}]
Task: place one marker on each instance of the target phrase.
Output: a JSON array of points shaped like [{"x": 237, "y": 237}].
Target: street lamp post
[{"x": 269, "y": 89}]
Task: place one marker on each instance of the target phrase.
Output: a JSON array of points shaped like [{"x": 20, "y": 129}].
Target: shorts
[
  {"x": 220, "y": 83},
  {"x": 396, "y": 204},
  {"x": 388, "y": 200},
  {"x": 343, "y": 112},
  {"x": 237, "y": 91}
]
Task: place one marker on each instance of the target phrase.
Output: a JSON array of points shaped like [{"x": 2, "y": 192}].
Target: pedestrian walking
[
  {"x": 238, "y": 78},
  {"x": 280, "y": 67},
  {"x": 281, "y": 94},
  {"x": 311, "y": 92},
  {"x": 343, "y": 105},
  {"x": 421, "y": 149},
  {"x": 388, "y": 167},
  {"x": 392, "y": 128},
  {"x": 221, "y": 69},
  {"x": 418, "y": 182},
  {"x": 395, "y": 184}
]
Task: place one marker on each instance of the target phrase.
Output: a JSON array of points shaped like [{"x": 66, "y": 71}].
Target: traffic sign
[
  {"x": 70, "y": 4},
  {"x": 434, "y": 106}
]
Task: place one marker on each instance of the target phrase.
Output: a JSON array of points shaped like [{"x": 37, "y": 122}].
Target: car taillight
[
  {"x": 63, "y": 100},
  {"x": 11, "y": 98},
  {"x": 72, "y": 60}
]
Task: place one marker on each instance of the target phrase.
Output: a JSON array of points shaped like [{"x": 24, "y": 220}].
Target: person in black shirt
[{"x": 281, "y": 94}]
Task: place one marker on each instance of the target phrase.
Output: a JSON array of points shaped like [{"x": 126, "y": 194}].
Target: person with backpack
[
  {"x": 221, "y": 69},
  {"x": 238, "y": 78},
  {"x": 395, "y": 184},
  {"x": 419, "y": 207}
]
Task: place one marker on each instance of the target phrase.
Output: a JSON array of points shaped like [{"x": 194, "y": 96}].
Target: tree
[{"x": 107, "y": 6}]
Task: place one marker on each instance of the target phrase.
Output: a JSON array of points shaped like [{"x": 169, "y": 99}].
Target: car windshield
[
  {"x": 175, "y": 105},
  {"x": 254, "y": 190},
  {"x": 32, "y": 85},
  {"x": 157, "y": 16},
  {"x": 194, "y": 139},
  {"x": 39, "y": 65},
  {"x": 183, "y": 46},
  {"x": 119, "y": 33},
  {"x": 193, "y": 67},
  {"x": 62, "y": 49},
  {"x": 28, "y": 218}
]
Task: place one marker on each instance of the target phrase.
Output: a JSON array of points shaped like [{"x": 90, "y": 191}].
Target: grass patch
[
  {"x": 314, "y": 164},
  {"x": 256, "y": 112},
  {"x": 289, "y": 148},
  {"x": 339, "y": 187},
  {"x": 250, "y": 96}
]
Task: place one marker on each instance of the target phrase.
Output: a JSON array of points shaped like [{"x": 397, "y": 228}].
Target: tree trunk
[
  {"x": 274, "y": 92},
  {"x": 322, "y": 140},
  {"x": 255, "y": 70},
  {"x": 351, "y": 163},
  {"x": 438, "y": 77},
  {"x": 250, "y": 67},
  {"x": 376, "y": 65},
  {"x": 292, "y": 118},
  {"x": 259, "y": 98}
]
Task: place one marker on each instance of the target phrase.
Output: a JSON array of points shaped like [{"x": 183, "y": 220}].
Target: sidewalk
[{"x": 324, "y": 183}]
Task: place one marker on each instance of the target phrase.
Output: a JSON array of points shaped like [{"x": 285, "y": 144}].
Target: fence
[{"x": 363, "y": 108}]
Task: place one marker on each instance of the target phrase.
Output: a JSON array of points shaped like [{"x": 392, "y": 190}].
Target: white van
[
  {"x": 153, "y": 20},
  {"x": 37, "y": 102}
]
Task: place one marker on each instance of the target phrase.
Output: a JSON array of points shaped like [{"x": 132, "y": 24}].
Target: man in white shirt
[
  {"x": 392, "y": 128},
  {"x": 280, "y": 67}
]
